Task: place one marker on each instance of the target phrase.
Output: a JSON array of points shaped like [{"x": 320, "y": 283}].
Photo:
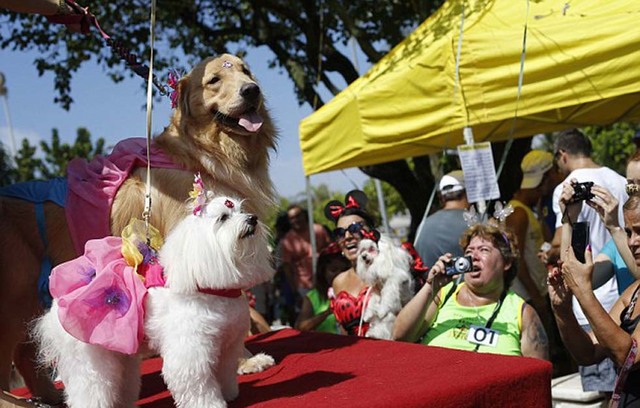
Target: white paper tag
[{"x": 483, "y": 336}]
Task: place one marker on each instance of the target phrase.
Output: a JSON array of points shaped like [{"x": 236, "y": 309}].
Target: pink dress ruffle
[
  {"x": 93, "y": 186},
  {"x": 100, "y": 297}
]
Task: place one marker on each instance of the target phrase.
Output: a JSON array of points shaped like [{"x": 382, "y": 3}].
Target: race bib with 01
[{"x": 482, "y": 336}]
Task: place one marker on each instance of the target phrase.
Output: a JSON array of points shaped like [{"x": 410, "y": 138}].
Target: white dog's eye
[
  {"x": 214, "y": 80},
  {"x": 223, "y": 217}
]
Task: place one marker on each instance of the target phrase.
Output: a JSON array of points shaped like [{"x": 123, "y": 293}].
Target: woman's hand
[
  {"x": 605, "y": 205},
  {"x": 559, "y": 293},
  {"x": 568, "y": 208},
  {"x": 577, "y": 275},
  {"x": 436, "y": 277}
]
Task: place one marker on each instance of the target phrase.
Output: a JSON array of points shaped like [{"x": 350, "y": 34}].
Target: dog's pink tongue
[{"x": 250, "y": 121}]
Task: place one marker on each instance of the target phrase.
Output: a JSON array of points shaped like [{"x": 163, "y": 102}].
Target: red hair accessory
[
  {"x": 174, "y": 78},
  {"x": 418, "y": 265},
  {"x": 228, "y": 204},
  {"x": 373, "y": 235},
  {"x": 353, "y": 199}
]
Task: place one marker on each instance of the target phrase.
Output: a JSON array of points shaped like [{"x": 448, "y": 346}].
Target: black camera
[
  {"x": 458, "y": 265},
  {"x": 582, "y": 191}
]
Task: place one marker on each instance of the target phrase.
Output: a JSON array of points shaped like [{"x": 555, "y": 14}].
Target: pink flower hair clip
[
  {"x": 198, "y": 194},
  {"x": 174, "y": 78}
]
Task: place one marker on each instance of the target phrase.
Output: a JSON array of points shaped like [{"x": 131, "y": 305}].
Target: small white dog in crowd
[
  {"x": 385, "y": 267},
  {"x": 198, "y": 333}
]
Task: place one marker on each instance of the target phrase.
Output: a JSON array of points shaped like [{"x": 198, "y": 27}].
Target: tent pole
[
  {"x": 381, "y": 205},
  {"x": 426, "y": 213},
  {"x": 312, "y": 234}
]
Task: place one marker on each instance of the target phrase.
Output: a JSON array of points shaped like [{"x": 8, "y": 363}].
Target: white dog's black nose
[
  {"x": 252, "y": 220},
  {"x": 250, "y": 92}
]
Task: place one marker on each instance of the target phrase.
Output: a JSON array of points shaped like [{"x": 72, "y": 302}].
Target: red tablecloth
[{"x": 324, "y": 370}]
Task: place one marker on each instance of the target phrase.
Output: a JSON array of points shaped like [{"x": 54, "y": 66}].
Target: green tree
[
  {"x": 7, "y": 171},
  {"x": 612, "y": 145},
  {"x": 308, "y": 40},
  {"x": 29, "y": 166},
  {"x": 57, "y": 155},
  {"x": 392, "y": 200}
]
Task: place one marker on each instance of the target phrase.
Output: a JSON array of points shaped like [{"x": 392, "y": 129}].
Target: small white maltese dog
[
  {"x": 386, "y": 268},
  {"x": 193, "y": 322}
]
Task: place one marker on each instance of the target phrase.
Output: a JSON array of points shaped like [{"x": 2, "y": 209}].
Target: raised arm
[
  {"x": 606, "y": 205},
  {"x": 417, "y": 316}
]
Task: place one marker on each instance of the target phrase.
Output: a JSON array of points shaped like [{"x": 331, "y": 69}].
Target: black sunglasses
[{"x": 354, "y": 228}]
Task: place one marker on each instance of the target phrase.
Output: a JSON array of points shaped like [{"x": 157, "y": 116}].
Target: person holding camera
[
  {"x": 612, "y": 334},
  {"x": 572, "y": 152},
  {"x": 481, "y": 313}
]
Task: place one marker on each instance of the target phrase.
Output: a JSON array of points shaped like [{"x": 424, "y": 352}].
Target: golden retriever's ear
[{"x": 183, "y": 96}]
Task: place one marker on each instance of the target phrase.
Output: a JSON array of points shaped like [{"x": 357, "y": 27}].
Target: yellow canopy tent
[{"x": 581, "y": 67}]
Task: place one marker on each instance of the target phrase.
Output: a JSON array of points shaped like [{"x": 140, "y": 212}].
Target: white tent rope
[
  {"x": 518, "y": 94},
  {"x": 515, "y": 116},
  {"x": 146, "y": 214},
  {"x": 456, "y": 82}
]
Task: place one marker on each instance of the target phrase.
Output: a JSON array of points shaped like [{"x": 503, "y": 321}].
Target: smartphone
[{"x": 580, "y": 239}]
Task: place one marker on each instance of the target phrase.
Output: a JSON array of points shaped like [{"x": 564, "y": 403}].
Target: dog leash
[
  {"x": 85, "y": 19},
  {"x": 146, "y": 213},
  {"x": 365, "y": 304}
]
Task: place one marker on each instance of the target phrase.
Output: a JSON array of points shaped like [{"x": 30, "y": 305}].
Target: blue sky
[{"x": 117, "y": 111}]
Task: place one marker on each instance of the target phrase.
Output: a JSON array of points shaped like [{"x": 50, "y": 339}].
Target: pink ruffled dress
[{"x": 101, "y": 298}]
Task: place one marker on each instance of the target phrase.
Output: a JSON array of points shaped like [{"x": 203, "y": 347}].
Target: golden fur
[{"x": 204, "y": 136}]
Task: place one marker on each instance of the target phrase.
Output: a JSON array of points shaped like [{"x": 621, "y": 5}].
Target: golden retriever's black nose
[
  {"x": 250, "y": 92},
  {"x": 252, "y": 220}
]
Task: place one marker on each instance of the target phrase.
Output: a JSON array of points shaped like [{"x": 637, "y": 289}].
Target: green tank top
[
  {"x": 452, "y": 324},
  {"x": 319, "y": 305}
]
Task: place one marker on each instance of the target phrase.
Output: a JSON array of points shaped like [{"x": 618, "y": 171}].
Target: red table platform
[{"x": 324, "y": 370}]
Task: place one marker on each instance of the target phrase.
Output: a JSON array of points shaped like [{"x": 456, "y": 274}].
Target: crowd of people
[
  {"x": 526, "y": 293},
  {"x": 536, "y": 286}
]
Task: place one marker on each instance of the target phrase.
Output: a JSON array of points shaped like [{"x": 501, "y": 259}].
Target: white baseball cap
[
  {"x": 534, "y": 165},
  {"x": 452, "y": 182}
]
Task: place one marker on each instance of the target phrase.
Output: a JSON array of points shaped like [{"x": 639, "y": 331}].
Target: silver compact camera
[{"x": 458, "y": 265}]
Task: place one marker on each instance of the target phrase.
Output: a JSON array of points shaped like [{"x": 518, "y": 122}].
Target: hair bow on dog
[
  {"x": 373, "y": 235},
  {"x": 354, "y": 199},
  {"x": 174, "y": 78},
  {"x": 198, "y": 194}
]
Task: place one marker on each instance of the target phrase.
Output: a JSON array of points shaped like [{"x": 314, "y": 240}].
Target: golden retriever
[{"x": 220, "y": 128}]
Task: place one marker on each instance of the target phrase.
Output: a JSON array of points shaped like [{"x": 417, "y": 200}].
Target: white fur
[
  {"x": 199, "y": 336},
  {"x": 386, "y": 267}
]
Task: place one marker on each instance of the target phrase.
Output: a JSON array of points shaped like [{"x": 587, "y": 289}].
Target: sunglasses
[{"x": 354, "y": 228}]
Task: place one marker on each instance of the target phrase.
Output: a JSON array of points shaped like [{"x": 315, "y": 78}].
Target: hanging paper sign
[{"x": 480, "y": 178}]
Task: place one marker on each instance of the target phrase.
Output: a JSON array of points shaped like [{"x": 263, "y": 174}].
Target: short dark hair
[
  {"x": 455, "y": 196},
  {"x": 503, "y": 240},
  {"x": 295, "y": 205},
  {"x": 574, "y": 142},
  {"x": 322, "y": 285},
  {"x": 632, "y": 203}
]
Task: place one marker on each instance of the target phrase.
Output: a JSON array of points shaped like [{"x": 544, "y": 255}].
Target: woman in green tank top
[
  {"x": 315, "y": 313},
  {"x": 480, "y": 314}
]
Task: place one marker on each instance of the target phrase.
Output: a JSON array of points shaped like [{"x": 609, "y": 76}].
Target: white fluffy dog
[
  {"x": 385, "y": 267},
  {"x": 198, "y": 333}
]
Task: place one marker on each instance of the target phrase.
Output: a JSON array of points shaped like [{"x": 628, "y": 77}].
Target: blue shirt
[{"x": 623, "y": 277}]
